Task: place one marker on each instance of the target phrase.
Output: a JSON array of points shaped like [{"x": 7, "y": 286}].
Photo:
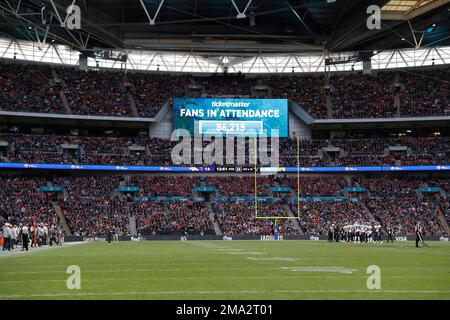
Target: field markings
[
  {"x": 321, "y": 269},
  {"x": 212, "y": 278},
  {"x": 140, "y": 270},
  {"x": 255, "y": 267},
  {"x": 275, "y": 259},
  {"x": 209, "y": 292},
  {"x": 231, "y": 251},
  {"x": 245, "y": 253},
  {"x": 17, "y": 252}
]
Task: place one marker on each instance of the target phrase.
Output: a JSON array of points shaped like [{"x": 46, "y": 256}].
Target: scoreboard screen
[{"x": 237, "y": 117}]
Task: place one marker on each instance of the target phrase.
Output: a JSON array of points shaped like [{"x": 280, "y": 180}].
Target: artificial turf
[{"x": 229, "y": 270}]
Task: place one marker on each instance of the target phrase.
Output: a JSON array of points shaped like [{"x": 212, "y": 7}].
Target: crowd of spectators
[
  {"x": 397, "y": 202},
  {"x": 23, "y": 202},
  {"x": 35, "y": 148},
  {"x": 31, "y": 88},
  {"x": 240, "y": 218},
  {"x": 314, "y": 186},
  {"x": 402, "y": 214},
  {"x": 165, "y": 186},
  {"x": 93, "y": 215},
  {"x": 426, "y": 92},
  {"x": 240, "y": 186},
  {"x": 165, "y": 217},
  {"x": 151, "y": 91},
  {"x": 316, "y": 217},
  {"x": 91, "y": 204},
  {"x": 366, "y": 151},
  {"x": 444, "y": 201},
  {"x": 99, "y": 93},
  {"x": 394, "y": 202},
  {"x": 307, "y": 91},
  {"x": 355, "y": 95},
  {"x": 236, "y": 86}
]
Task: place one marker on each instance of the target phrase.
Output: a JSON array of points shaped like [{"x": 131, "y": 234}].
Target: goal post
[{"x": 257, "y": 216}]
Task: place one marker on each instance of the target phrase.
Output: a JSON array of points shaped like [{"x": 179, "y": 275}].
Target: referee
[
  {"x": 108, "y": 234},
  {"x": 331, "y": 233},
  {"x": 390, "y": 232}
]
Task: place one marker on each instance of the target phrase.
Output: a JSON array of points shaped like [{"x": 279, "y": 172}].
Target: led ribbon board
[
  {"x": 237, "y": 117},
  {"x": 82, "y": 167}
]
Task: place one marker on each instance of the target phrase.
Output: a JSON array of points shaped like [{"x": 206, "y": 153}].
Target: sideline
[{"x": 17, "y": 251}]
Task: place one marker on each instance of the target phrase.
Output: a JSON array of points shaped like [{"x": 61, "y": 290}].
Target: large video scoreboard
[{"x": 237, "y": 117}]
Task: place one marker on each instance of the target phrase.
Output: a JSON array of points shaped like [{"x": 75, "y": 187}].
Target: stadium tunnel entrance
[{"x": 205, "y": 192}]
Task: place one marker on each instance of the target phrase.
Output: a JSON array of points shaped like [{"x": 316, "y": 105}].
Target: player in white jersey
[
  {"x": 377, "y": 236},
  {"x": 351, "y": 229},
  {"x": 13, "y": 236},
  {"x": 45, "y": 229},
  {"x": 345, "y": 233},
  {"x": 40, "y": 235},
  {"x": 357, "y": 228},
  {"x": 368, "y": 233},
  {"x": 365, "y": 229}
]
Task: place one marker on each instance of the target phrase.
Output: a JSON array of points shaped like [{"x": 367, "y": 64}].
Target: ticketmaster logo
[{"x": 241, "y": 104}]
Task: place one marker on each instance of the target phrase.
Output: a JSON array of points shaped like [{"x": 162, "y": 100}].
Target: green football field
[{"x": 229, "y": 270}]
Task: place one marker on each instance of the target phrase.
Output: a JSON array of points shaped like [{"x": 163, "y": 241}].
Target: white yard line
[
  {"x": 213, "y": 278},
  {"x": 256, "y": 267},
  {"x": 161, "y": 293},
  {"x": 321, "y": 269},
  {"x": 275, "y": 259},
  {"x": 244, "y": 253}
]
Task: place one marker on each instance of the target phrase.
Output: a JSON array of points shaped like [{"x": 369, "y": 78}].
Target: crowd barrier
[{"x": 238, "y": 237}]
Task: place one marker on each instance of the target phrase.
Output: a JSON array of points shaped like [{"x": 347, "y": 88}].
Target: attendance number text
[{"x": 230, "y": 127}]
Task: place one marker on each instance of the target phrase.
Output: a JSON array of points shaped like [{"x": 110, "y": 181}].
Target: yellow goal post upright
[{"x": 298, "y": 188}]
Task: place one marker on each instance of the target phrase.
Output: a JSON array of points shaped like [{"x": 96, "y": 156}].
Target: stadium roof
[
  {"x": 410, "y": 7},
  {"x": 404, "y": 6},
  {"x": 230, "y": 25}
]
